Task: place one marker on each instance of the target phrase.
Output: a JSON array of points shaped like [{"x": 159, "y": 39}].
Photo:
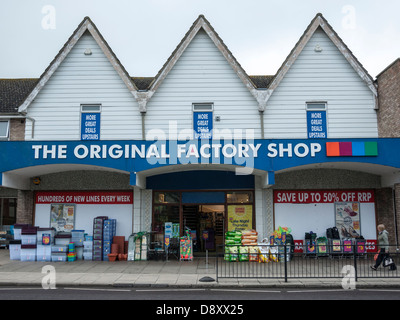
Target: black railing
[{"x": 280, "y": 261}]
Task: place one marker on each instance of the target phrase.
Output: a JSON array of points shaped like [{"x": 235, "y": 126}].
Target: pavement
[{"x": 157, "y": 274}]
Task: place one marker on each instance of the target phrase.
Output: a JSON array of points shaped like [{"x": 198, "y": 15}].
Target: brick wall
[
  {"x": 17, "y": 129},
  {"x": 25, "y": 204},
  {"x": 385, "y": 211},
  {"x": 389, "y": 101}
]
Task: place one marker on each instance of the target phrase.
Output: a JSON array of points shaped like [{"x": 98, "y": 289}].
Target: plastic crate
[
  {"x": 45, "y": 236},
  {"x": 88, "y": 245},
  {"x": 43, "y": 253},
  {"x": 28, "y": 237},
  {"x": 62, "y": 239},
  {"x": 18, "y": 229},
  {"x": 15, "y": 249},
  {"x": 28, "y": 252},
  {"x": 59, "y": 248},
  {"x": 79, "y": 252},
  {"x": 59, "y": 257},
  {"x": 87, "y": 256},
  {"x": 78, "y": 237}
]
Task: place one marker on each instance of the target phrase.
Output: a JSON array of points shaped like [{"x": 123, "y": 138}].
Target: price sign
[{"x": 166, "y": 241}]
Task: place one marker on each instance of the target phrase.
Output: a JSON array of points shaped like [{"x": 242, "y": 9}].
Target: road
[{"x": 208, "y": 294}]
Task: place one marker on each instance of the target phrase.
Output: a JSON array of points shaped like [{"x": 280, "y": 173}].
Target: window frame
[
  {"x": 319, "y": 105},
  {"x": 202, "y": 107},
  {"x": 6, "y": 137},
  {"x": 97, "y": 106}
]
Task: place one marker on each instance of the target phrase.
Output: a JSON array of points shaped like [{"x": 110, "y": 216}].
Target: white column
[{"x": 137, "y": 205}]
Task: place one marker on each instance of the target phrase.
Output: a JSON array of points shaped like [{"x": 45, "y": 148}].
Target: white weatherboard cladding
[
  {"x": 322, "y": 76},
  {"x": 202, "y": 74},
  {"x": 84, "y": 79}
]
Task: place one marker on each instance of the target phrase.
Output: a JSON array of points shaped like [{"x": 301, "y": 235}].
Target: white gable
[
  {"x": 202, "y": 74},
  {"x": 84, "y": 79},
  {"x": 321, "y": 76}
]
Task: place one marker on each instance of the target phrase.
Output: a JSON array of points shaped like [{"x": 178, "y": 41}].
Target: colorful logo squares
[{"x": 352, "y": 149}]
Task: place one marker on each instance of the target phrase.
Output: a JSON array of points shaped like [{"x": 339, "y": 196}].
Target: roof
[
  {"x": 13, "y": 93},
  {"x": 21, "y": 92}
]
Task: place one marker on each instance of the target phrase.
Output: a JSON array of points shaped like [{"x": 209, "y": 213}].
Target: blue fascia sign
[{"x": 134, "y": 156}]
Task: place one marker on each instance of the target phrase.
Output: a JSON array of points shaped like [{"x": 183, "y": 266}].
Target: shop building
[{"x": 202, "y": 144}]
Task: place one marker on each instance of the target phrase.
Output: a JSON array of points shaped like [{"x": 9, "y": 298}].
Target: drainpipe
[
  {"x": 262, "y": 123},
  {"x": 143, "y": 127},
  {"x": 395, "y": 216}
]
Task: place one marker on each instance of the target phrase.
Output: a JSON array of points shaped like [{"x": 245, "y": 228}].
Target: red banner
[
  {"x": 84, "y": 197},
  {"x": 323, "y": 196}
]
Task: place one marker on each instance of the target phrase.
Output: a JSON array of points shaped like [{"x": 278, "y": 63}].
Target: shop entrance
[
  {"x": 206, "y": 222},
  {"x": 207, "y": 213}
]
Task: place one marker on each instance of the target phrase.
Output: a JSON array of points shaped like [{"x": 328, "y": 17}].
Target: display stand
[
  {"x": 186, "y": 250},
  {"x": 186, "y": 246}
]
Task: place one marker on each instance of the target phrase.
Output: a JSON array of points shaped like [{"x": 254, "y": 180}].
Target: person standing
[{"x": 383, "y": 245}]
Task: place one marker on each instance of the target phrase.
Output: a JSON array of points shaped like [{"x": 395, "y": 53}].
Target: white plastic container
[
  {"x": 87, "y": 256},
  {"x": 28, "y": 238},
  {"x": 15, "y": 249},
  {"x": 28, "y": 252},
  {"x": 79, "y": 252},
  {"x": 59, "y": 248},
  {"x": 43, "y": 232},
  {"x": 59, "y": 257},
  {"x": 43, "y": 253},
  {"x": 62, "y": 239}
]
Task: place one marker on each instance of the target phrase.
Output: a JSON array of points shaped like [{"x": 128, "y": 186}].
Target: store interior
[{"x": 206, "y": 223}]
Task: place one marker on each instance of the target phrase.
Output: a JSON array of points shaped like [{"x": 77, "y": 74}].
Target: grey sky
[{"x": 143, "y": 33}]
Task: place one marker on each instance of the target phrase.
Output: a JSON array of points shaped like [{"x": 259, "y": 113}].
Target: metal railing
[{"x": 279, "y": 261}]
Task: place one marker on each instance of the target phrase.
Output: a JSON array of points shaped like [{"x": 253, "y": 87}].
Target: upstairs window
[
  {"x": 90, "y": 121},
  {"x": 316, "y": 120},
  {"x": 203, "y": 120},
  {"x": 4, "y": 129}
]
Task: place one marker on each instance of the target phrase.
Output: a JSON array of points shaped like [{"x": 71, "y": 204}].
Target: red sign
[
  {"x": 84, "y": 197},
  {"x": 323, "y": 196},
  {"x": 298, "y": 246},
  {"x": 371, "y": 245}
]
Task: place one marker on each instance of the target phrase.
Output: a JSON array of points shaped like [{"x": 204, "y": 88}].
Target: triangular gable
[
  {"x": 320, "y": 21},
  {"x": 85, "y": 25},
  {"x": 202, "y": 22}
]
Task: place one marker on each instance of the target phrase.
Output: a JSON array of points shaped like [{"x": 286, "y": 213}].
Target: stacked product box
[
  {"x": 88, "y": 248},
  {"x": 59, "y": 252},
  {"x": 45, "y": 236},
  {"x": 62, "y": 238},
  {"x": 43, "y": 252},
  {"x": 71, "y": 256},
  {"x": 45, "y": 240},
  {"x": 109, "y": 230},
  {"x": 14, "y": 247},
  {"x": 78, "y": 237},
  {"x": 17, "y": 229},
  {"x": 28, "y": 252},
  {"x": 98, "y": 225},
  {"x": 28, "y": 235}
]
